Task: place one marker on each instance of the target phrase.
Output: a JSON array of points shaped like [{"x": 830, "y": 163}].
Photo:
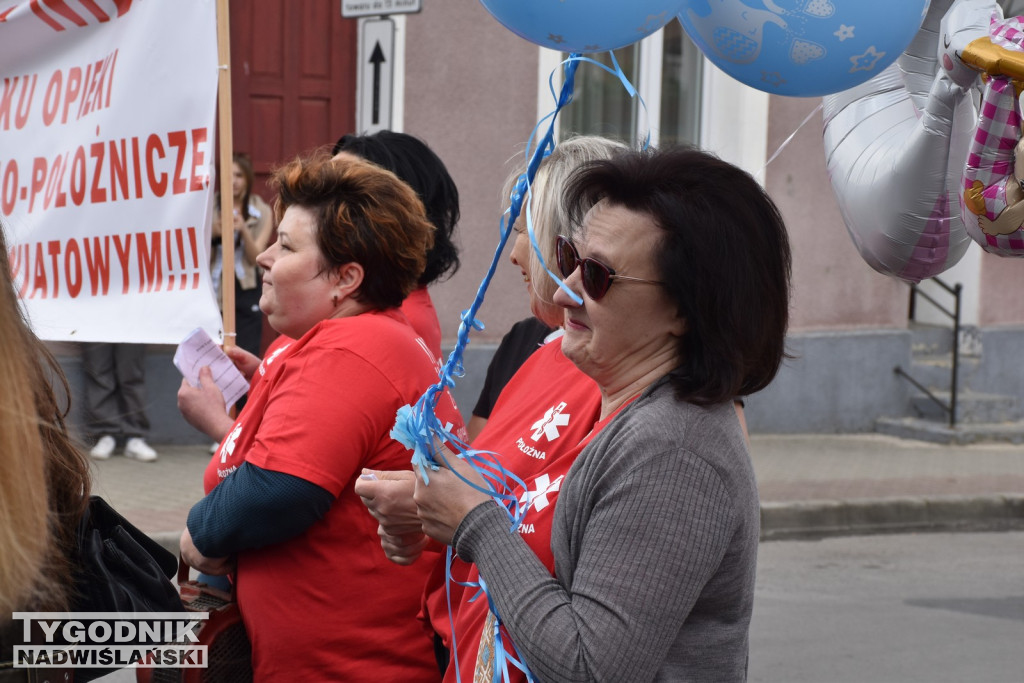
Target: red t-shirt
[
  {"x": 419, "y": 309},
  {"x": 540, "y": 418},
  {"x": 474, "y": 623},
  {"x": 327, "y": 604}
]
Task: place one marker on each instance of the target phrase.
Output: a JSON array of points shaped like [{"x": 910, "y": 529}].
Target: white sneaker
[
  {"x": 137, "y": 449},
  {"x": 103, "y": 448}
]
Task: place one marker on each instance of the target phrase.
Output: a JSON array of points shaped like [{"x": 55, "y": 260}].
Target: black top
[{"x": 523, "y": 339}]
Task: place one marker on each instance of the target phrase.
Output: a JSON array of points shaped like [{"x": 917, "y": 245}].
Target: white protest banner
[{"x": 106, "y": 152}]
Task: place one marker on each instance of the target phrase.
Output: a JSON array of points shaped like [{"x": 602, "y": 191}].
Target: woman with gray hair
[{"x": 548, "y": 214}]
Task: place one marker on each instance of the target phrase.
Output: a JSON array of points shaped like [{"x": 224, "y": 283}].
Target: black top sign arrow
[{"x": 376, "y": 58}]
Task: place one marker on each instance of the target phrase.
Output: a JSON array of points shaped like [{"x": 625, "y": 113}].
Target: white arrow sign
[{"x": 376, "y": 65}]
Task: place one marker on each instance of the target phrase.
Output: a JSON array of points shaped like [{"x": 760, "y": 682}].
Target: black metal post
[
  {"x": 956, "y": 356},
  {"x": 955, "y": 291}
]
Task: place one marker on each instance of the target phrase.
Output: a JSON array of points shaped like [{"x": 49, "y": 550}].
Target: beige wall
[
  {"x": 1002, "y": 291},
  {"x": 832, "y": 285},
  {"x": 471, "y": 94}
]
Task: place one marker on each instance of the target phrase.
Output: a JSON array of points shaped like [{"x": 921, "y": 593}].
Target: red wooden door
[
  {"x": 293, "y": 83},
  {"x": 293, "y": 79}
]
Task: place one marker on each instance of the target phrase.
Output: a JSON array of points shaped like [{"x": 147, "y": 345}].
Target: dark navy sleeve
[{"x": 254, "y": 507}]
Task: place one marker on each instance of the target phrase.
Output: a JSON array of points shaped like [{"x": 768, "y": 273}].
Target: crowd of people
[{"x": 617, "y": 406}]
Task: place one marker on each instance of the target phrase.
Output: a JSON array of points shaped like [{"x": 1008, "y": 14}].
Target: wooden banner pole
[{"x": 226, "y": 173}]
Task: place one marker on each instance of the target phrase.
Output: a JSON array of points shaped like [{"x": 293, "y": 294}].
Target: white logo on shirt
[
  {"x": 538, "y": 497},
  {"x": 270, "y": 359},
  {"x": 228, "y": 447},
  {"x": 434, "y": 360},
  {"x": 530, "y": 450},
  {"x": 549, "y": 424}
]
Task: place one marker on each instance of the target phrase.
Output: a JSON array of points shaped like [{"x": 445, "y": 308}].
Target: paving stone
[{"x": 810, "y": 484}]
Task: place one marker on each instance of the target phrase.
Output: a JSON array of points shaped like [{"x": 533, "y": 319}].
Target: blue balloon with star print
[
  {"x": 583, "y": 25},
  {"x": 802, "y": 48}
]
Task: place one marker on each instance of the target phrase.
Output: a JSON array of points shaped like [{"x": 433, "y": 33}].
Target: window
[
  {"x": 1012, "y": 8},
  {"x": 665, "y": 68},
  {"x": 600, "y": 105},
  {"x": 681, "y": 67}
]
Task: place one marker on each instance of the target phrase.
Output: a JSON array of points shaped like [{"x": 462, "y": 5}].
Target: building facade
[
  {"x": 474, "y": 92},
  {"x": 477, "y": 97}
]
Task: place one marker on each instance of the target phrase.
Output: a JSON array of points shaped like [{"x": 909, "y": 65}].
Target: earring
[{"x": 335, "y": 300}]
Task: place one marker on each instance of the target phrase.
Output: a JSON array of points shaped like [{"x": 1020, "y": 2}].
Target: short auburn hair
[
  {"x": 364, "y": 214},
  {"x": 723, "y": 257}
]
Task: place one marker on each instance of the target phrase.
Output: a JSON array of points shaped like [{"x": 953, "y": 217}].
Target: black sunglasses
[{"x": 597, "y": 277}]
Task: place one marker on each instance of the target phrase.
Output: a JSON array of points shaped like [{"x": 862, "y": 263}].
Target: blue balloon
[
  {"x": 583, "y": 25},
  {"x": 803, "y": 48}
]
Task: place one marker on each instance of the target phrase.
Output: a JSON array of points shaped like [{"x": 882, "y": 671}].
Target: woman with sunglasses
[{"x": 680, "y": 269}]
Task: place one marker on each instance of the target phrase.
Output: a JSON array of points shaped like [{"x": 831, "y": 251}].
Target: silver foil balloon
[{"x": 895, "y": 147}]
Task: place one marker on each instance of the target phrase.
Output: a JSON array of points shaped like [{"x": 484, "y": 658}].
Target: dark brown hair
[
  {"x": 724, "y": 258},
  {"x": 415, "y": 163},
  {"x": 364, "y": 214}
]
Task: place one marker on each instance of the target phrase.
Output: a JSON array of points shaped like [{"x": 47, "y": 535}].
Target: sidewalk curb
[{"x": 820, "y": 518}]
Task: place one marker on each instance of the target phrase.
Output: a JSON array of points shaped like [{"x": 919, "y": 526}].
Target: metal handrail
[{"x": 956, "y": 291}]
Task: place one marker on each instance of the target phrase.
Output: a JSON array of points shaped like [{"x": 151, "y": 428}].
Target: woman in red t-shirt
[{"x": 319, "y": 600}]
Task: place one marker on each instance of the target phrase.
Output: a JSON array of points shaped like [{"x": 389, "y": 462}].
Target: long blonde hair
[
  {"x": 549, "y": 216},
  {"x": 45, "y": 482}
]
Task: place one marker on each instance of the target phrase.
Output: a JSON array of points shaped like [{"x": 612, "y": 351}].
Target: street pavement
[
  {"x": 890, "y": 608},
  {"x": 811, "y": 485}
]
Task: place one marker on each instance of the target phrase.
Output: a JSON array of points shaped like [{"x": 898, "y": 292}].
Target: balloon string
[
  {"x": 531, "y": 234},
  {"x": 415, "y": 426},
  {"x": 418, "y": 427},
  {"x": 789, "y": 139},
  {"x": 449, "y": 580}
]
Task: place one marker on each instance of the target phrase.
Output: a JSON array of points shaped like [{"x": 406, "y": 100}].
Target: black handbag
[{"x": 119, "y": 568}]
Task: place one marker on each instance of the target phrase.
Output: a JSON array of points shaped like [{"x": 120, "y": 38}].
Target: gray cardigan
[{"x": 655, "y": 543}]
